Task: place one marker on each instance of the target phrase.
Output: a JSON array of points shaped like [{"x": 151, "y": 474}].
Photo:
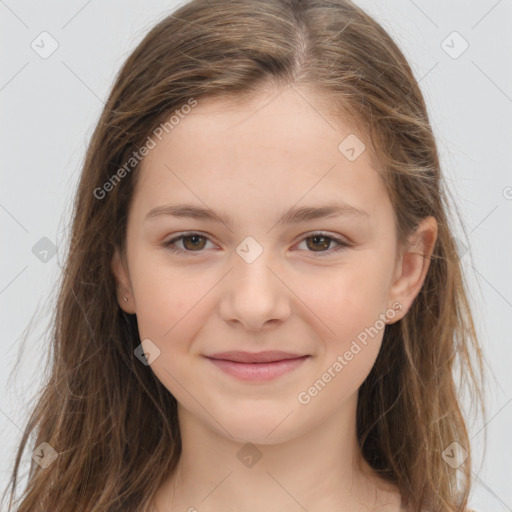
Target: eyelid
[{"x": 342, "y": 242}]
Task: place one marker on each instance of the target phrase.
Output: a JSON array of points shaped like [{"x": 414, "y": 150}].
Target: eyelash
[{"x": 342, "y": 245}]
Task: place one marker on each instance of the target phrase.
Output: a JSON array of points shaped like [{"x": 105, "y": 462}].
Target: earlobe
[
  {"x": 123, "y": 287},
  {"x": 413, "y": 265}
]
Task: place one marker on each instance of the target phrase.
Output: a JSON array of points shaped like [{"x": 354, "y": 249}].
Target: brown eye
[
  {"x": 319, "y": 242},
  {"x": 191, "y": 243},
  {"x": 196, "y": 242}
]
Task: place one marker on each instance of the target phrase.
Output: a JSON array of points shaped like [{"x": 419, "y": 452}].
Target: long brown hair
[{"x": 110, "y": 420}]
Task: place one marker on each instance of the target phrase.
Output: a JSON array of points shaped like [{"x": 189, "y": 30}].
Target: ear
[
  {"x": 119, "y": 268},
  {"x": 413, "y": 262}
]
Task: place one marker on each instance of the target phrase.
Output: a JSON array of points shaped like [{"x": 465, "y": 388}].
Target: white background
[{"x": 49, "y": 108}]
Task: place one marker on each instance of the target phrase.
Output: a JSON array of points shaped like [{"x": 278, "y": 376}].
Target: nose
[{"x": 255, "y": 295}]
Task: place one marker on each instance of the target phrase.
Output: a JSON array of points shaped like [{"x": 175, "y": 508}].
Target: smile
[{"x": 258, "y": 371}]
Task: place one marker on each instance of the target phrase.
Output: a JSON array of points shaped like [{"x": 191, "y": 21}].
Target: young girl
[{"x": 262, "y": 302}]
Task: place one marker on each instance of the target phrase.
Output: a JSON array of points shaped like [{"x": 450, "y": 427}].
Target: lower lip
[{"x": 258, "y": 371}]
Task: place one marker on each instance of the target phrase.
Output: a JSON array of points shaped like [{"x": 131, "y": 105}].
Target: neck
[{"x": 322, "y": 469}]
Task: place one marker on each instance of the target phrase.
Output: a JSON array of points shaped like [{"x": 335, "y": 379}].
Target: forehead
[{"x": 278, "y": 148}]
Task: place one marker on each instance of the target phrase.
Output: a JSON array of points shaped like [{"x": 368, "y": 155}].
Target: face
[{"x": 271, "y": 275}]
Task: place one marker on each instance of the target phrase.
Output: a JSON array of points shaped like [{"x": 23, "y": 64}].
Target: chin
[{"x": 257, "y": 426}]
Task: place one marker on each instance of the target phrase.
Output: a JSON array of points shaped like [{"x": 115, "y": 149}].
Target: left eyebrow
[{"x": 292, "y": 216}]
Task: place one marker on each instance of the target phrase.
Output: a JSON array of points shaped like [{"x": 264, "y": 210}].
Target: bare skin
[{"x": 253, "y": 162}]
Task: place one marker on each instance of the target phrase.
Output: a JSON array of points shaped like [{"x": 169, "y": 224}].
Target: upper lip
[{"x": 255, "y": 357}]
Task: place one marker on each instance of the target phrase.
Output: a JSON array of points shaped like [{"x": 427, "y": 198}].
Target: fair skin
[{"x": 253, "y": 162}]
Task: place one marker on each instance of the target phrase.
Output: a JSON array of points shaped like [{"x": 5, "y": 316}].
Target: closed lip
[{"x": 255, "y": 357}]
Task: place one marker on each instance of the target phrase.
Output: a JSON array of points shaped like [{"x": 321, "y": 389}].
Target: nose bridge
[
  {"x": 255, "y": 295},
  {"x": 252, "y": 263}
]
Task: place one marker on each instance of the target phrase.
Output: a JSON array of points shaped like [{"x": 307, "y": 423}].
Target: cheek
[
  {"x": 170, "y": 312},
  {"x": 351, "y": 307},
  {"x": 348, "y": 298},
  {"x": 165, "y": 299}
]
